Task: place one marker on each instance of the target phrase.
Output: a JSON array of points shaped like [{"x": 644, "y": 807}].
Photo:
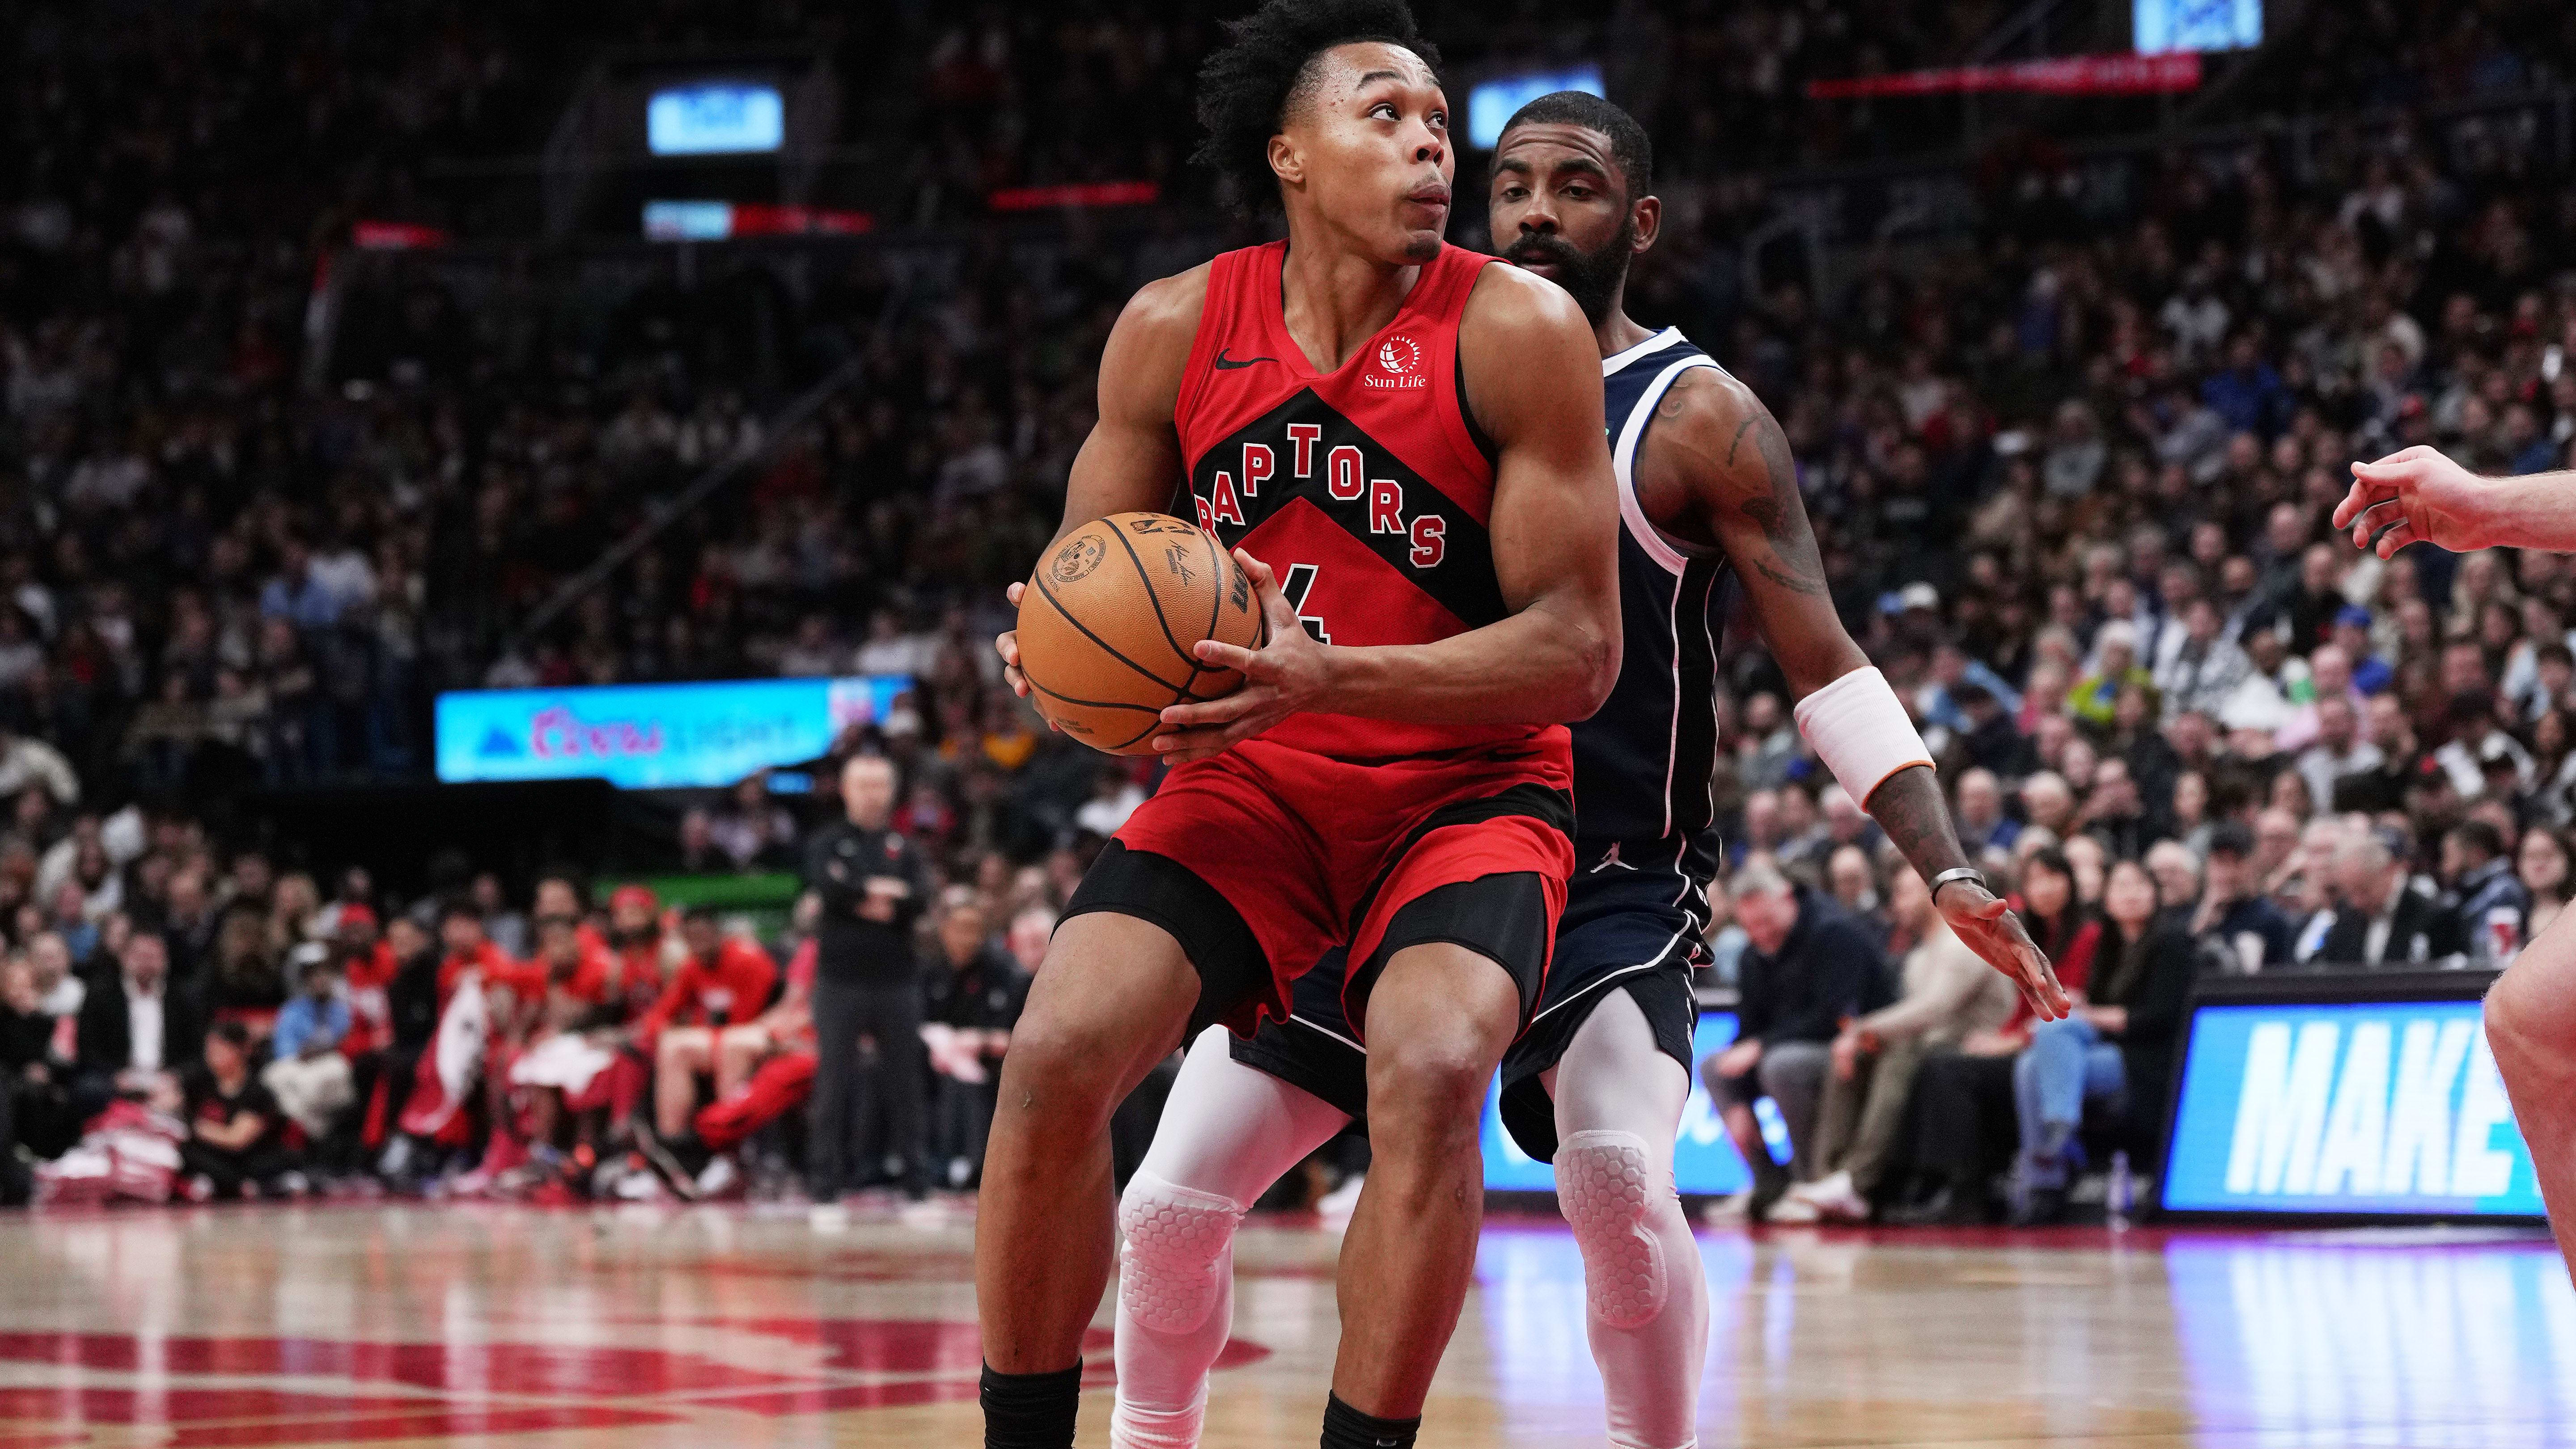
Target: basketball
[{"x": 1109, "y": 619}]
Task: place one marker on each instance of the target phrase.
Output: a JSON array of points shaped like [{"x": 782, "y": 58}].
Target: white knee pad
[
  {"x": 1167, "y": 1272},
  {"x": 1605, "y": 1186}
]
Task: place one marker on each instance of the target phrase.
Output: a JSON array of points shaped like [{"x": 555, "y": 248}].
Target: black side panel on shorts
[
  {"x": 1158, "y": 889},
  {"x": 1500, "y": 917}
]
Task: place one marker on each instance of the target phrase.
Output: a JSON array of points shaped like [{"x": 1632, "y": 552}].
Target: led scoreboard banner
[
  {"x": 2351, "y": 1095},
  {"x": 652, "y": 736}
]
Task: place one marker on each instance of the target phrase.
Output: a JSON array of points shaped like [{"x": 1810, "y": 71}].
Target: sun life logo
[{"x": 1399, "y": 364}]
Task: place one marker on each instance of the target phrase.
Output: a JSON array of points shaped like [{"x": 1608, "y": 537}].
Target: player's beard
[{"x": 1591, "y": 278}]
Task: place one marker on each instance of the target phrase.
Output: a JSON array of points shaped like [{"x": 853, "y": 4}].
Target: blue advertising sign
[
  {"x": 715, "y": 118},
  {"x": 1490, "y": 105},
  {"x": 1704, "y": 1157},
  {"x": 651, "y": 736},
  {"x": 2364, "y": 1107},
  {"x": 2164, "y": 26}
]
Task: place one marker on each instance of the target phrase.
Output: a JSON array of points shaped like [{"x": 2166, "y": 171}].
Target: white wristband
[{"x": 1861, "y": 731}]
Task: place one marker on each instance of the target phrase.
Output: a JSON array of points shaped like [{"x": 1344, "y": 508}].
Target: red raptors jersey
[{"x": 1365, "y": 488}]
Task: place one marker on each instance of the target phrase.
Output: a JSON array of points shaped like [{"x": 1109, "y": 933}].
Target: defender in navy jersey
[{"x": 1598, "y": 1081}]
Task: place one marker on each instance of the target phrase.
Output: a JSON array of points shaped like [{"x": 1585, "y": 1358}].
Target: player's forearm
[
  {"x": 2537, "y": 510},
  {"x": 1909, "y": 807},
  {"x": 1546, "y": 664}
]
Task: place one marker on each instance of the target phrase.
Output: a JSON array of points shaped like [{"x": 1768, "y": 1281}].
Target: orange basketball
[{"x": 1110, "y": 616}]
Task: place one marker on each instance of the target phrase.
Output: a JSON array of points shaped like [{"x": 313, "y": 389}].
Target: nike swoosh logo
[{"x": 1224, "y": 365}]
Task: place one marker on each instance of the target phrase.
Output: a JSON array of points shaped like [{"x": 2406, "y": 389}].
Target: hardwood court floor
[{"x": 656, "y": 1329}]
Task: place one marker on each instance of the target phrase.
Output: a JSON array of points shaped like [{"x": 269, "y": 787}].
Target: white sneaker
[
  {"x": 1336, "y": 1206},
  {"x": 1733, "y": 1210},
  {"x": 1793, "y": 1211},
  {"x": 1837, "y": 1199},
  {"x": 719, "y": 1179}
]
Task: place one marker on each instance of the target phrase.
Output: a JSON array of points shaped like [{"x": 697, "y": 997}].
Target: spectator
[
  {"x": 2542, "y": 863},
  {"x": 1853, "y": 883},
  {"x": 1988, "y": 739},
  {"x": 2208, "y": 666},
  {"x": 2114, "y": 814},
  {"x": 2096, "y": 696},
  {"x": 1948, "y": 993},
  {"x": 1962, "y": 1119},
  {"x": 2478, "y": 742},
  {"x": 2339, "y": 750},
  {"x": 60, "y": 991},
  {"x": 507, "y": 928},
  {"x": 2048, "y": 804},
  {"x": 2116, "y": 1047},
  {"x": 2234, "y": 920},
  {"x": 1979, "y": 812},
  {"x": 137, "y": 1029},
  {"x": 26, "y": 763},
  {"x": 246, "y": 979},
  {"x": 968, "y": 1011},
  {"x": 2383, "y": 919},
  {"x": 752, "y": 830},
  {"x": 2489, "y": 907},
  {"x": 1809, "y": 968},
  {"x": 869, "y": 884},
  {"x": 1114, "y": 796},
  {"x": 309, "y": 1077},
  {"x": 35, "y": 1106},
  {"x": 235, "y": 1145}
]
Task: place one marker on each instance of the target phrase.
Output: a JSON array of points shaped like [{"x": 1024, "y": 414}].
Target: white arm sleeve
[{"x": 1861, "y": 731}]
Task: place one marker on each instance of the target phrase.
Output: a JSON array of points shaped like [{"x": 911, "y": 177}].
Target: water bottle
[{"x": 2122, "y": 1198}]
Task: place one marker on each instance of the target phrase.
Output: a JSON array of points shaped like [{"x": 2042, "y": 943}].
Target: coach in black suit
[{"x": 2383, "y": 920}]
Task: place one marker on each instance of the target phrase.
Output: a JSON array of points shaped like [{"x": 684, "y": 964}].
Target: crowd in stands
[
  {"x": 182, "y": 1021},
  {"x": 2073, "y": 483}
]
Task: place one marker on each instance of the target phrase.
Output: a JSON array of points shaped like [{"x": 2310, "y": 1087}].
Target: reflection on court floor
[{"x": 654, "y": 1329}]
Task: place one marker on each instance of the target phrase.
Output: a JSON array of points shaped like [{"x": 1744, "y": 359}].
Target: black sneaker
[{"x": 666, "y": 1165}]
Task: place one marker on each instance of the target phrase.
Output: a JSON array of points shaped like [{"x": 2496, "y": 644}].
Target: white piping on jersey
[
  {"x": 1673, "y": 737},
  {"x": 1595, "y": 985},
  {"x": 1623, "y": 460},
  {"x": 1708, "y": 788},
  {"x": 1626, "y": 355}
]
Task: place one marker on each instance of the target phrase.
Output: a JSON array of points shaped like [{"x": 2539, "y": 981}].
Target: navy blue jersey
[{"x": 1641, "y": 765}]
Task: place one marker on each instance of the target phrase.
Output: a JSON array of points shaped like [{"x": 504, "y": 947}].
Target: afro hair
[{"x": 1246, "y": 88}]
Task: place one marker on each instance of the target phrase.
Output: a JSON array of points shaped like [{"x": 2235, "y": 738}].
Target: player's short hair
[
  {"x": 1629, "y": 145},
  {"x": 1247, "y": 88}
]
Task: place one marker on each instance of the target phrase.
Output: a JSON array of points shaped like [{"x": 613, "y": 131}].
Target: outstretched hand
[
  {"x": 2413, "y": 496},
  {"x": 1284, "y": 676},
  {"x": 1990, "y": 929}
]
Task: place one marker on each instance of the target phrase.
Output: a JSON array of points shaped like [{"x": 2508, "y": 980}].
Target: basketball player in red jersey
[
  {"x": 1407, "y": 443},
  {"x": 2420, "y": 496}
]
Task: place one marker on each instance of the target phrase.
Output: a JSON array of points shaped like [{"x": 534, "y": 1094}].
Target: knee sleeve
[
  {"x": 1604, "y": 1182},
  {"x": 1175, "y": 1237}
]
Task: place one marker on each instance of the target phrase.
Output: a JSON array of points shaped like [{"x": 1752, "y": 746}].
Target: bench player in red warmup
[
  {"x": 2420, "y": 496},
  {"x": 1406, "y": 441}
]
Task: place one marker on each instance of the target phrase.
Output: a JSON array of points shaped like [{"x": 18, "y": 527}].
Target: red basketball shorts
[{"x": 1261, "y": 860}]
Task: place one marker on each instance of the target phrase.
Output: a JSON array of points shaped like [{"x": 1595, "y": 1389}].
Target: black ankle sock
[
  {"x": 1031, "y": 1411},
  {"x": 1348, "y": 1428}
]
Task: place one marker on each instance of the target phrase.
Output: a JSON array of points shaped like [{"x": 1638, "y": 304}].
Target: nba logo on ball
[
  {"x": 1399, "y": 364},
  {"x": 1078, "y": 557}
]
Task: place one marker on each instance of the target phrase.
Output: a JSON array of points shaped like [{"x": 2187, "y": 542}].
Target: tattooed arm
[{"x": 1715, "y": 474}]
